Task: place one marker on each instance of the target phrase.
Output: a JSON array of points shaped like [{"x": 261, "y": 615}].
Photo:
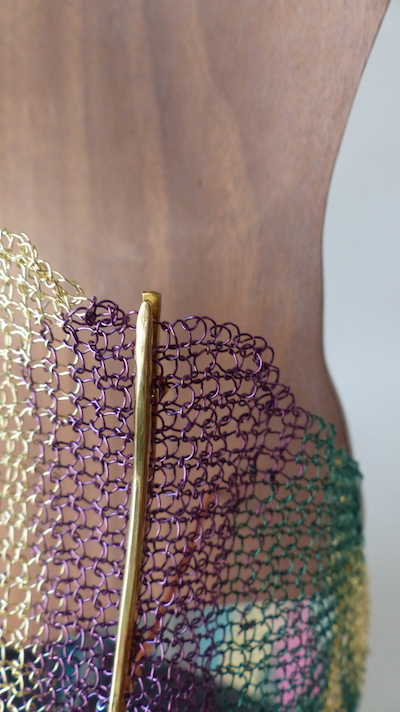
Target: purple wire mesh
[{"x": 252, "y": 589}]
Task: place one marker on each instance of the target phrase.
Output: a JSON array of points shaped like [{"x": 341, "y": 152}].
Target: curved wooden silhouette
[{"x": 187, "y": 147}]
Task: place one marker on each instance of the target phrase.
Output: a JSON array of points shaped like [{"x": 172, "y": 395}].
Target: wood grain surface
[{"x": 187, "y": 147}]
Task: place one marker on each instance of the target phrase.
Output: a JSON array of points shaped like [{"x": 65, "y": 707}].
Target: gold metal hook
[{"x": 146, "y": 340}]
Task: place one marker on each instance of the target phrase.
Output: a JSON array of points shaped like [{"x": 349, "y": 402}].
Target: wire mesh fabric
[{"x": 252, "y": 584}]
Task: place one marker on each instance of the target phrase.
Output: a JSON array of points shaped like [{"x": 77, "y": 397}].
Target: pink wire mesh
[{"x": 252, "y": 586}]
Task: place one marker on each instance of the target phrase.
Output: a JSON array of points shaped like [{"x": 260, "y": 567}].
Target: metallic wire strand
[{"x": 252, "y": 588}]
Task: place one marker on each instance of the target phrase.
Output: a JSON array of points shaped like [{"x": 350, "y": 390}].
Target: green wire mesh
[{"x": 253, "y": 592}]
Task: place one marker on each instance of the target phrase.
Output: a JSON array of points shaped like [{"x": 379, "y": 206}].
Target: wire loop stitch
[{"x": 252, "y": 586}]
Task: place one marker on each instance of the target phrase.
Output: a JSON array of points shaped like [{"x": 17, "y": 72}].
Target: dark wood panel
[{"x": 185, "y": 147}]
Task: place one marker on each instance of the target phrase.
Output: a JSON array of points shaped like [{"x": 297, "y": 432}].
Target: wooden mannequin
[{"x": 187, "y": 147}]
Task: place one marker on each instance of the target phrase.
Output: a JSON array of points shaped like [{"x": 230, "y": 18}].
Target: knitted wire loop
[{"x": 252, "y": 583}]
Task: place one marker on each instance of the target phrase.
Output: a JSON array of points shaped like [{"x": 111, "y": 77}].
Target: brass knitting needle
[{"x": 146, "y": 340}]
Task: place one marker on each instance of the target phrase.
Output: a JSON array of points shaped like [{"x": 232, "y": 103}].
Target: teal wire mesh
[{"x": 253, "y": 591}]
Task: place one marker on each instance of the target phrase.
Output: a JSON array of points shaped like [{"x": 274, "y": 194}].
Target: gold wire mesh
[
  {"x": 33, "y": 298},
  {"x": 253, "y": 562}
]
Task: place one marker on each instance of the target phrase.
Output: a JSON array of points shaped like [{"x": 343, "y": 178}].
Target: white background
[{"x": 362, "y": 335}]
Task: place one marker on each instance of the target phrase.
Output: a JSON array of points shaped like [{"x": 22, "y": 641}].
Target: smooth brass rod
[{"x": 146, "y": 337}]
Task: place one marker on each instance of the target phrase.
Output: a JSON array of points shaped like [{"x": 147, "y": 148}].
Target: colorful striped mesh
[{"x": 252, "y": 585}]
